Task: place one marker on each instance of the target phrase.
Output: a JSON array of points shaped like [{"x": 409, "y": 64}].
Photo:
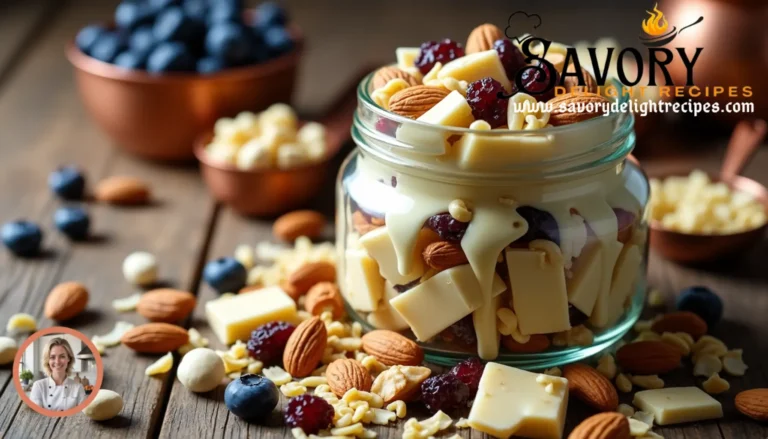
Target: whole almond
[
  {"x": 361, "y": 223},
  {"x": 537, "y": 343},
  {"x": 443, "y": 255},
  {"x": 324, "y": 296},
  {"x": 482, "y": 38},
  {"x": 66, "y": 300},
  {"x": 305, "y": 347},
  {"x": 299, "y": 223},
  {"x": 348, "y": 374},
  {"x": 166, "y": 305},
  {"x": 681, "y": 321},
  {"x": 585, "y": 106},
  {"x": 590, "y": 386},
  {"x": 413, "y": 102},
  {"x": 648, "y": 357},
  {"x": 753, "y": 403},
  {"x": 571, "y": 83},
  {"x": 155, "y": 338},
  {"x": 602, "y": 426},
  {"x": 388, "y": 73},
  {"x": 122, "y": 191},
  {"x": 392, "y": 349},
  {"x": 310, "y": 274}
]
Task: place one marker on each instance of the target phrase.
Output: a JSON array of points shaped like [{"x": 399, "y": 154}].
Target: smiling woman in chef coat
[{"x": 57, "y": 391}]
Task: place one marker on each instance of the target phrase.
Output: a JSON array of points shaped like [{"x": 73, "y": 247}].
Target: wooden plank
[
  {"x": 21, "y": 24},
  {"x": 49, "y": 127}
]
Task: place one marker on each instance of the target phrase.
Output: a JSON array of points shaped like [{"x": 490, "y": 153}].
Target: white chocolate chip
[
  {"x": 707, "y": 365},
  {"x": 637, "y": 428},
  {"x": 623, "y": 383},
  {"x": 277, "y": 375},
  {"x": 201, "y": 370},
  {"x": 626, "y": 410},
  {"x": 606, "y": 365},
  {"x": 733, "y": 364},
  {"x": 677, "y": 341},
  {"x": 292, "y": 389},
  {"x": 644, "y": 417},
  {"x": 647, "y": 381},
  {"x": 126, "y": 303},
  {"x": 715, "y": 385},
  {"x": 245, "y": 255},
  {"x": 140, "y": 268}
]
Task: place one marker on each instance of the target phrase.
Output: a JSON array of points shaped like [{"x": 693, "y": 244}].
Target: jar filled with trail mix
[{"x": 480, "y": 225}]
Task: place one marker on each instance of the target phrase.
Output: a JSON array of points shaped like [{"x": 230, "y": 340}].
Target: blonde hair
[{"x": 58, "y": 341}]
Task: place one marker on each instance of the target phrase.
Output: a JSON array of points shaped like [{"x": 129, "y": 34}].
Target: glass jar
[{"x": 527, "y": 248}]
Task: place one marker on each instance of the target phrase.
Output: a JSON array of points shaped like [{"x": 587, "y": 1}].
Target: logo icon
[
  {"x": 655, "y": 27},
  {"x": 521, "y": 20}
]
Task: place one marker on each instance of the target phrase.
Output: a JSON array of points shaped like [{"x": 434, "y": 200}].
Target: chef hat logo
[{"x": 520, "y": 25}]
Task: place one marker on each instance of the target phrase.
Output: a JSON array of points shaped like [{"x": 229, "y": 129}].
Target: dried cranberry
[
  {"x": 469, "y": 372},
  {"x": 406, "y": 287},
  {"x": 448, "y": 227},
  {"x": 464, "y": 330},
  {"x": 394, "y": 181},
  {"x": 541, "y": 225},
  {"x": 386, "y": 126},
  {"x": 268, "y": 341},
  {"x": 536, "y": 79},
  {"x": 575, "y": 316},
  {"x": 437, "y": 51},
  {"x": 310, "y": 413},
  {"x": 511, "y": 57},
  {"x": 625, "y": 218},
  {"x": 483, "y": 97},
  {"x": 444, "y": 392}
]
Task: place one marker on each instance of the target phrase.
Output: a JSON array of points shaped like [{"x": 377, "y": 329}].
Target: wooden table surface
[{"x": 42, "y": 125}]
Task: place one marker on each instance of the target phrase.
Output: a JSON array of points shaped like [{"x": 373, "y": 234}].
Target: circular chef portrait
[{"x": 58, "y": 371}]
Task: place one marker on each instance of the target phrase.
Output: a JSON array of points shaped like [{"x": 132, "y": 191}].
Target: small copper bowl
[
  {"x": 687, "y": 248},
  {"x": 261, "y": 192},
  {"x": 159, "y": 116}
]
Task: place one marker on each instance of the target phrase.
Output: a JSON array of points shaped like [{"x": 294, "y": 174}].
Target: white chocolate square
[
  {"x": 584, "y": 286},
  {"x": 452, "y": 111},
  {"x": 385, "y": 316},
  {"x": 477, "y": 66},
  {"x": 364, "y": 286},
  {"x": 675, "y": 405},
  {"x": 234, "y": 318},
  {"x": 379, "y": 245},
  {"x": 601, "y": 312}
]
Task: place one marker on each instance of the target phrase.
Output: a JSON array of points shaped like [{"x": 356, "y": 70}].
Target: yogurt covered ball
[
  {"x": 201, "y": 370},
  {"x": 106, "y": 405},
  {"x": 140, "y": 268},
  {"x": 8, "y": 348}
]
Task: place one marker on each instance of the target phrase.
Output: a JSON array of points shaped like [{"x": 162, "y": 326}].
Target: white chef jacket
[{"x": 46, "y": 394}]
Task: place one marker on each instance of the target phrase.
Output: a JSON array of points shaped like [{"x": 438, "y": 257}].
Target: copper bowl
[
  {"x": 159, "y": 116},
  {"x": 688, "y": 248}
]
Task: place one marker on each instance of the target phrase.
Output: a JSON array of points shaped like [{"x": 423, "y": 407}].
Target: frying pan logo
[{"x": 656, "y": 26}]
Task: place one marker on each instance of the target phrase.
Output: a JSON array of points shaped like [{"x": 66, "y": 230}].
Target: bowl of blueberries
[{"x": 165, "y": 70}]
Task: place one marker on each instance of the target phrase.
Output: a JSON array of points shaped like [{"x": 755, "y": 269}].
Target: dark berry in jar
[
  {"x": 308, "y": 412},
  {"x": 536, "y": 79},
  {"x": 483, "y": 98},
  {"x": 23, "y": 238},
  {"x": 386, "y": 126},
  {"x": 703, "y": 302},
  {"x": 268, "y": 341},
  {"x": 447, "y": 227},
  {"x": 73, "y": 222},
  {"x": 575, "y": 316},
  {"x": 464, "y": 331},
  {"x": 511, "y": 57},
  {"x": 225, "y": 275},
  {"x": 432, "y": 52},
  {"x": 444, "y": 392},
  {"x": 469, "y": 372},
  {"x": 68, "y": 182},
  {"x": 251, "y": 397},
  {"x": 541, "y": 225}
]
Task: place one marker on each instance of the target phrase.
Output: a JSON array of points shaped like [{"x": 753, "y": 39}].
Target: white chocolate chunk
[
  {"x": 624, "y": 275},
  {"x": 733, "y": 364},
  {"x": 511, "y": 402},
  {"x": 385, "y": 316},
  {"x": 587, "y": 269},
  {"x": 455, "y": 292},
  {"x": 707, "y": 365},
  {"x": 364, "y": 285},
  {"x": 126, "y": 304},
  {"x": 715, "y": 385},
  {"x": 234, "y": 318},
  {"x": 114, "y": 336},
  {"x": 162, "y": 365},
  {"x": 379, "y": 245},
  {"x": 406, "y": 60},
  {"x": 540, "y": 299},
  {"x": 477, "y": 66},
  {"x": 453, "y": 111},
  {"x": 600, "y": 314},
  {"x": 489, "y": 152},
  {"x": 637, "y": 428},
  {"x": 675, "y": 405}
]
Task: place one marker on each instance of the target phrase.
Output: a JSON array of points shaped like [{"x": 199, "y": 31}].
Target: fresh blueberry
[
  {"x": 257, "y": 53},
  {"x": 170, "y": 57},
  {"x": 270, "y": 14},
  {"x": 197, "y": 9},
  {"x": 130, "y": 14},
  {"x": 131, "y": 60},
  {"x": 67, "y": 182},
  {"x": 108, "y": 47},
  {"x": 224, "y": 12},
  {"x": 23, "y": 238},
  {"x": 142, "y": 40},
  {"x": 703, "y": 302},
  {"x": 73, "y": 222},
  {"x": 159, "y": 5},
  {"x": 174, "y": 25},
  {"x": 278, "y": 40},
  {"x": 88, "y": 36},
  {"x": 209, "y": 65},
  {"x": 228, "y": 41},
  {"x": 225, "y": 275},
  {"x": 251, "y": 397}
]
